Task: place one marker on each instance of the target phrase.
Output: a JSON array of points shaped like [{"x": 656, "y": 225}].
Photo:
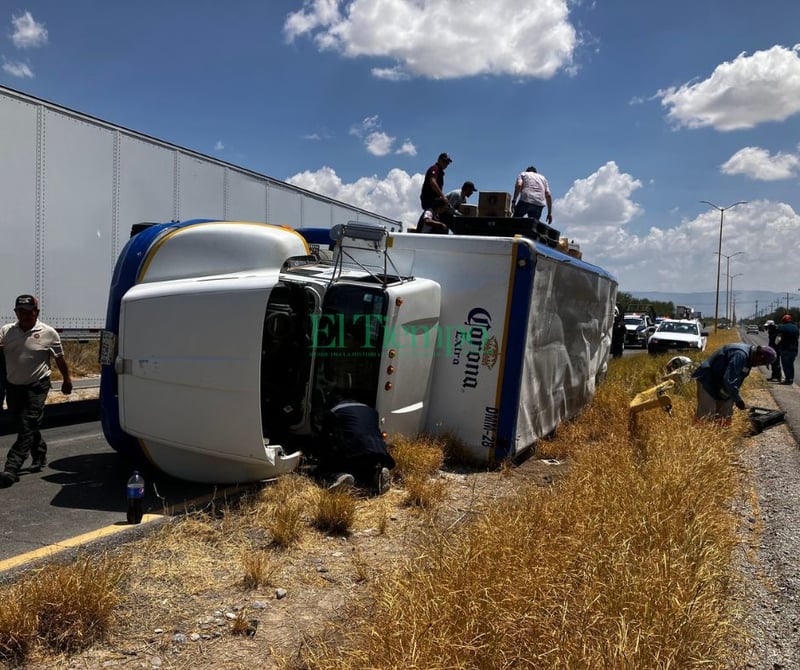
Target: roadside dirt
[{"x": 312, "y": 585}]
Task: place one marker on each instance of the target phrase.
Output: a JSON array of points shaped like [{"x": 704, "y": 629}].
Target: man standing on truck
[
  {"x": 459, "y": 196},
  {"x": 27, "y": 345},
  {"x": 433, "y": 185},
  {"x": 435, "y": 220},
  {"x": 531, "y": 193}
]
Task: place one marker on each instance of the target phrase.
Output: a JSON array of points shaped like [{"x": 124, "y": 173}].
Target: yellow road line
[
  {"x": 107, "y": 531},
  {"x": 77, "y": 541}
]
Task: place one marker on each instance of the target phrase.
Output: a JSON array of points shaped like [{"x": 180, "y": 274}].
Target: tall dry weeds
[
  {"x": 625, "y": 563},
  {"x": 62, "y": 608}
]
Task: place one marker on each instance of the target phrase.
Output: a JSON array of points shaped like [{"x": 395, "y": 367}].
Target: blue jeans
[{"x": 528, "y": 209}]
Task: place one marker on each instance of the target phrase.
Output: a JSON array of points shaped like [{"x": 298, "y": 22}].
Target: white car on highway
[{"x": 679, "y": 335}]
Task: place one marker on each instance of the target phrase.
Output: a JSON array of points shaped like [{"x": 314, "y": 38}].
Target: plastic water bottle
[{"x": 135, "y": 497}]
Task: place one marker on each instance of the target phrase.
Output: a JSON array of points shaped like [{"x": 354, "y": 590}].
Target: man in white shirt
[
  {"x": 28, "y": 345},
  {"x": 531, "y": 193}
]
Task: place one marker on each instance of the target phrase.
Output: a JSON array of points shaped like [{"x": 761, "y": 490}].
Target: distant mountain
[{"x": 746, "y": 304}]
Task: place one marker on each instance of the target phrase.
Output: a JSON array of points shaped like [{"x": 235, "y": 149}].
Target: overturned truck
[{"x": 226, "y": 342}]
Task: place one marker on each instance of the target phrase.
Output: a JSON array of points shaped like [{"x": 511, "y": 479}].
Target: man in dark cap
[
  {"x": 720, "y": 377},
  {"x": 433, "y": 185},
  {"x": 28, "y": 344},
  {"x": 786, "y": 334}
]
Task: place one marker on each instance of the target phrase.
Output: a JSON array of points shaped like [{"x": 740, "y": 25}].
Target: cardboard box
[
  {"x": 494, "y": 203},
  {"x": 468, "y": 210}
]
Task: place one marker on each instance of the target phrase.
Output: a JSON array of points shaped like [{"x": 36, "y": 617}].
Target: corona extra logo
[{"x": 491, "y": 352}]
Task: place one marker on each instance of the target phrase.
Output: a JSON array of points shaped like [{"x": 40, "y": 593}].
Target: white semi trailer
[
  {"x": 225, "y": 343},
  {"x": 73, "y": 186}
]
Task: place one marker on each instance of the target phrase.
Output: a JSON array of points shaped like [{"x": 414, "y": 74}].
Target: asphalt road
[{"x": 80, "y": 496}]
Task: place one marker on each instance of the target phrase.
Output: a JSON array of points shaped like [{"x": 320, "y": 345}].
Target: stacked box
[
  {"x": 468, "y": 210},
  {"x": 494, "y": 203}
]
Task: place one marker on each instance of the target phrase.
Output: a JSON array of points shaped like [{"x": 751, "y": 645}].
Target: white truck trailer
[
  {"x": 73, "y": 186},
  {"x": 226, "y": 342}
]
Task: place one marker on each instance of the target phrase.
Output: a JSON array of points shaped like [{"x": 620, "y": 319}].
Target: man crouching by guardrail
[
  {"x": 27, "y": 345},
  {"x": 720, "y": 377}
]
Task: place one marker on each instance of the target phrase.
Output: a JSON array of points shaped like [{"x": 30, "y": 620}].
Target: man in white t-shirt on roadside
[
  {"x": 531, "y": 194},
  {"x": 28, "y": 344}
]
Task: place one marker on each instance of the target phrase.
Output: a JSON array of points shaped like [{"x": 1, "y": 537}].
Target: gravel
[{"x": 770, "y": 548}]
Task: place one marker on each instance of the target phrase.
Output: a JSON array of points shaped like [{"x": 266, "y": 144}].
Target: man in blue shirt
[{"x": 720, "y": 377}]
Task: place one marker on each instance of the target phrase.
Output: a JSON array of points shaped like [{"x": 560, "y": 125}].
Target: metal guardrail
[{"x": 58, "y": 414}]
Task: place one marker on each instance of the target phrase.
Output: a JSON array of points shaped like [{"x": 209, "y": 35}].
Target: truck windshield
[{"x": 348, "y": 342}]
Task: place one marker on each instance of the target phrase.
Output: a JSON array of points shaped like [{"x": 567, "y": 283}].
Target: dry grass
[
  {"x": 61, "y": 608},
  {"x": 82, "y": 358},
  {"x": 335, "y": 512},
  {"x": 626, "y": 562}
]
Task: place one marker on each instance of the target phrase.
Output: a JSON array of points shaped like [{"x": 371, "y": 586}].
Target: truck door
[{"x": 376, "y": 345}]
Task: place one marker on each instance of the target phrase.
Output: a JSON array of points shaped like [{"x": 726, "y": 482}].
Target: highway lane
[{"x": 79, "y": 494}]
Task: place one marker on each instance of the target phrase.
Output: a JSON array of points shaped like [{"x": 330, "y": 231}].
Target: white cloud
[
  {"x": 27, "y": 32},
  {"x": 757, "y": 163},
  {"x": 602, "y": 199},
  {"x": 219, "y": 146},
  {"x": 365, "y": 126},
  {"x": 17, "y": 69},
  {"x": 682, "y": 258},
  {"x": 395, "y": 196},
  {"x": 379, "y": 144},
  {"x": 740, "y": 94},
  {"x": 407, "y": 149},
  {"x": 443, "y": 39}
]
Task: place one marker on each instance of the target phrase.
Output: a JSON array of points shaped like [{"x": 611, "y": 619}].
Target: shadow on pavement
[{"x": 97, "y": 481}]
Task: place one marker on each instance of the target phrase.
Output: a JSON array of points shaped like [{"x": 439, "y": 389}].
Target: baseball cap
[
  {"x": 469, "y": 184},
  {"x": 444, "y": 157},
  {"x": 768, "y": 355},
  {"x": 26, "y": 301}
]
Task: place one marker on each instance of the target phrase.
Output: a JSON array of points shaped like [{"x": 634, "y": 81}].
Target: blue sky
[{"x": 634, "y": 111}]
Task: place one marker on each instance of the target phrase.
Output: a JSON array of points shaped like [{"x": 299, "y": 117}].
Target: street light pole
[
  {"x": 733, "y": 298},
  {"x": 719, "y": 252},
  {"x": 728, "y": 274}
]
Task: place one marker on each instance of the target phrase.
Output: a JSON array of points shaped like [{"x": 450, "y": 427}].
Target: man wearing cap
[
  {"x": 786, "y": 334},
  {"x": 458, "y": 197},
  {"x": 433, "y": 185},
  {"x": 720, "y": 377},
  {"x": 27, "y": 345}
]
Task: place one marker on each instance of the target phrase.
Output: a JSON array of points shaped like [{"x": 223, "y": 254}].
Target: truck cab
[{"x": 220, "y": 372}]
